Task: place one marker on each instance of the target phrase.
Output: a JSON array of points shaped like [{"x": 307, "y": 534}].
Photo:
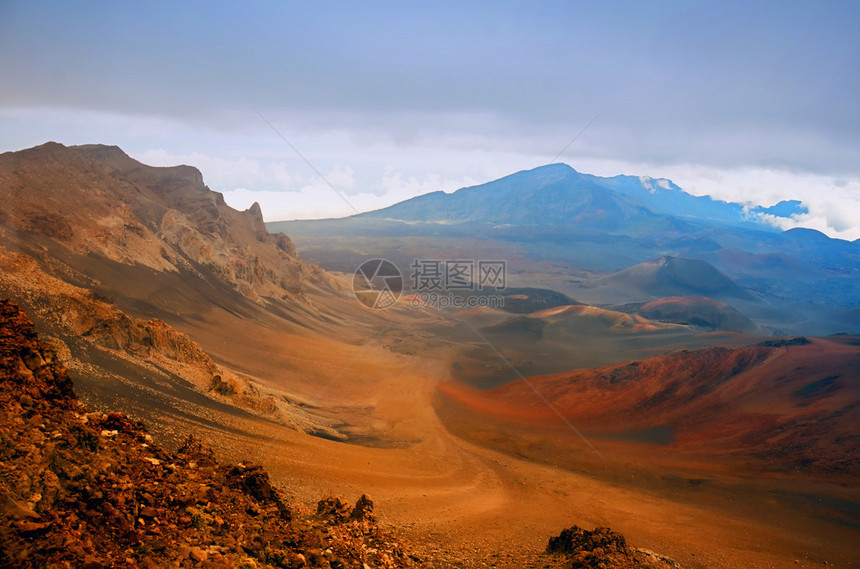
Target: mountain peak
[
  {"x": 669, "y": 276},
  {"x": 100, "y": 149},
  {"x": 554, "y": 167},
  {"x": 552, "y": 194},
  {"x": 805, "y": 233}
]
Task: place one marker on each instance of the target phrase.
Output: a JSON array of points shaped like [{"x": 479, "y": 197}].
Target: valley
[{"x": 707, "y": 420}]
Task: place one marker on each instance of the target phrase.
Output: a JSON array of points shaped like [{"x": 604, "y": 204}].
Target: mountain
[
  {"x": 697, "y": 311},
  {"x": 557, "y": 194},
  {"x": 552, "y": 195},
  {"x": 670, "y": 277},
  {"x": 664, "y": 196},
  {"x": 96, "y": 201},
  {"x": 162, "y": 298},
  {"x": 600, "y": 226}
]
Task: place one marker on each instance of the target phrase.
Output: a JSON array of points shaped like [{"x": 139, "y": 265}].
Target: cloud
[
  {"x": 226, "y": 173},
  {"x": 821, "y": 221},
  {"x": 317, "y": 200},
  {"x": 680, "y": 84},
  {"x": 833, "y": 204},
  {"x": 295, "y": 191},
  {"x": 397, "y": 183},
  {"x": 374, "y": 170}
]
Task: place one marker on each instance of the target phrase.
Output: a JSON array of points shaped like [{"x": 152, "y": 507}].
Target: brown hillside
[
  {"x": 786, "y": 406},
  {"x": 97, "y": 200}
]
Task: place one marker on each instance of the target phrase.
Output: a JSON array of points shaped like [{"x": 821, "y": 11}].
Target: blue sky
[{"x": 750, "y": 101}]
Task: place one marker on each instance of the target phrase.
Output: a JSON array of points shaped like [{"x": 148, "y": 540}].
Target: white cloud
[
  {"x": 287, "y": 205},
  {"x": 837, "y": 219},
  {"x": 242, "y": 172},
  {"x": 833, "y": 204},
  {"x": 341, "y": 177},
  {"x": 318, "y": 200},
  {"x": 646, "y": 182},
  {"x": 396, "y": 182}
]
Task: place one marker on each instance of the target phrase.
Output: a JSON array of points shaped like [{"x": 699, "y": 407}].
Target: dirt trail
[{"x": 481, "y": 505}]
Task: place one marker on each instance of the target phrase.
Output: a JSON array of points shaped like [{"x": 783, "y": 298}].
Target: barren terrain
[{"x": 169, "y": 306}]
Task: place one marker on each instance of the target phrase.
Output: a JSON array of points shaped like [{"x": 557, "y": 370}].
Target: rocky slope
[
  {"x": 96, "y": 200},
  {"x": 83, "y": 316},
  {"x": 123, "y": 264},
  {"x": 93, "y": 490}
]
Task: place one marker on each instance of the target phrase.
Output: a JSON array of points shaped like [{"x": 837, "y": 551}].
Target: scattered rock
[
  {"x": 197, "y": 554},
  {"x": 785, "y": 342}
]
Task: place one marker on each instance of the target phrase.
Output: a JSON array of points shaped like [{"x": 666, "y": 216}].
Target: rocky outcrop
[
  {"x": 602, "y": 548},
  {"x": 336, "y": 510},
  {"x": 29, "y": 367}
]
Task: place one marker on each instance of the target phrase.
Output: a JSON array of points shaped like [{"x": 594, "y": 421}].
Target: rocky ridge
[{"x": 165, "y": 219}]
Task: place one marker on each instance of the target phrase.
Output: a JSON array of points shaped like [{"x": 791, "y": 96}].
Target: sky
[{"x": 279, "y": 102}]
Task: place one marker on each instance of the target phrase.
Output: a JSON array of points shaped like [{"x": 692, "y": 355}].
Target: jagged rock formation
[{"x": 123, "y": 264}]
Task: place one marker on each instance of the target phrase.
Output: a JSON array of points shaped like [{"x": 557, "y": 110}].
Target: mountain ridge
[
  {"x": 564, "y": 195},
  {"x": 584, "y": 223},
  {"x": 661, "y": 196},
  {"x": 95, "y": 199}
]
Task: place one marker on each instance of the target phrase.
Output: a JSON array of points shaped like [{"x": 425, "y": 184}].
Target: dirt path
[{"x": 485, "y": 507}]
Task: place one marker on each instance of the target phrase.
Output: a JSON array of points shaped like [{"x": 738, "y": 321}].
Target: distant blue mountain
[
  {"x": 557, "y": 214},
  {"x": 664, "y": 196},
  {"x": 557, "y": 194},
  {"x": 550, "y": 195}
]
